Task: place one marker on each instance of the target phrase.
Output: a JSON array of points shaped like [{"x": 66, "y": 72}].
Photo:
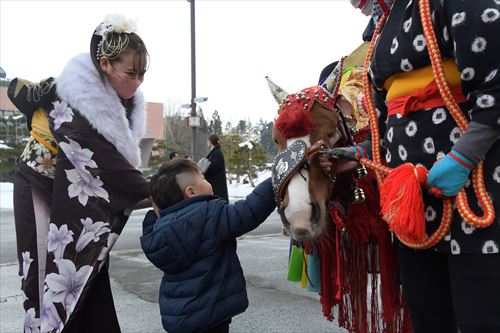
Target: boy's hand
[
  {"x": 346, "y": 159},
  {"x": 325, "y": 162}
]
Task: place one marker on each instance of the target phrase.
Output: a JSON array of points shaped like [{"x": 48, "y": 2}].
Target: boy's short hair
[{"x": 164, "y": 188}]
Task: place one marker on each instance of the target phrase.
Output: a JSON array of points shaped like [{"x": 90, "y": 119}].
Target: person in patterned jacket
[
  {"x": 77, "y": 180},
  {"x": 454, "y": 285}
]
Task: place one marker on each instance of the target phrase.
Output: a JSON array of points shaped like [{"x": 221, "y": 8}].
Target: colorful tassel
[
  {"x": 295, "y": 264},
  {"x": 313, "y": 271},
  {"x": 303, "y": 280}
]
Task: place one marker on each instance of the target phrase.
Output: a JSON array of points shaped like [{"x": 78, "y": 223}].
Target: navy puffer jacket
[{"x": 194, "y": 243}]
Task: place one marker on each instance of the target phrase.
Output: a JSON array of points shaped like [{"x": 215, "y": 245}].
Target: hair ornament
[
  {"x": 113, "y": 47},
  {"x": 115, "y": 23}
]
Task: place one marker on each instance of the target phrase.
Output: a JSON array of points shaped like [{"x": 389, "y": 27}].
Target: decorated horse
[{"x": 340, "y": 246}]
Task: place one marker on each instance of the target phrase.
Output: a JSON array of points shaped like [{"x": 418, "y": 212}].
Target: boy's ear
[{"x": 189, "y": 192}]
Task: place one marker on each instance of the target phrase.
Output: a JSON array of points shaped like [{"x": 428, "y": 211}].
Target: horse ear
[
  {"x": 332, "y": 83},
  {"x": 278, "y": 93}
]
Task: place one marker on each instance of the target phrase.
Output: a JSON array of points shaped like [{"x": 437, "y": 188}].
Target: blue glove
[{"x": 450, "y": 173}]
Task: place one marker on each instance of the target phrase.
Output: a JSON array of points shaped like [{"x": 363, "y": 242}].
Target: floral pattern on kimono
[
  {"x": 40, "y": 158},
  {"x": 95, "y": 183}
]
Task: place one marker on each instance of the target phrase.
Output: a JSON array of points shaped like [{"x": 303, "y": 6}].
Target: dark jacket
[
  {"x": 216, "y": 173},
  {"x": 194, "y": 243}
]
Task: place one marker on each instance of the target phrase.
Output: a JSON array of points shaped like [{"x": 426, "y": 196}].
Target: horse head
[{"x": 308, "y": 121}]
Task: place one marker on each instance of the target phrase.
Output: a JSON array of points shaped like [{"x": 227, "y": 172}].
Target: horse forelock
[{"x": 294, "y": 122}]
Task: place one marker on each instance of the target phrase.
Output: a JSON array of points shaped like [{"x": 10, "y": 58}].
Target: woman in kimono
[
  {"x": 454, "y": 285},
  {"x": 216, "y": 171},
  {"x": 77, "y": 180}
]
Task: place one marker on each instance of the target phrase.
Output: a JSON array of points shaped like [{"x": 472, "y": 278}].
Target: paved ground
[{"x": 275, "y": 304}]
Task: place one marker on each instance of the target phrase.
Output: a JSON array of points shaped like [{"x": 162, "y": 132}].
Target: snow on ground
[
  {"x": 236, "y": 191},
  {"x": 239, "y": 191},
  {"x": 6, "y": 196}
]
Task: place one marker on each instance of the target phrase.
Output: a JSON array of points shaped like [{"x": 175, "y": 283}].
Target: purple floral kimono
[{"x": 68, "y": 220}]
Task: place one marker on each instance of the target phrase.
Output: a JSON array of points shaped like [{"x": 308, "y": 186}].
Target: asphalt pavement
[{"x": 276, "y": 305}]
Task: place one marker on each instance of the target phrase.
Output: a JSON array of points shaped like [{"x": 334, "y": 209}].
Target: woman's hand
[{"x": 144, "y": 203}]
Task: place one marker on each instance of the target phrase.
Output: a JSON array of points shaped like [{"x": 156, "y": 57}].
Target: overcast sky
[{"x": 238, "y": 43}]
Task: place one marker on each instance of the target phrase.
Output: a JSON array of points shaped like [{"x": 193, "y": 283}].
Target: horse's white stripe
[{"x": 298, "y": 211}]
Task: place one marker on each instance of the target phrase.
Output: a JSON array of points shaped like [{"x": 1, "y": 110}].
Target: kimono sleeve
[
  {"x": 95, "y": 169},
  {"x": 27, "y": 96},
  {"x": 473, "y": 27}
]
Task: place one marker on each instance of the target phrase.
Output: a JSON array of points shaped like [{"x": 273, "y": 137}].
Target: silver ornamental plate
[{"x": 287, "y": 163}]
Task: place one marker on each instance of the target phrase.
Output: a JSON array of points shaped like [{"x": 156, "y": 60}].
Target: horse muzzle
[{"x": 303, "y": 223}]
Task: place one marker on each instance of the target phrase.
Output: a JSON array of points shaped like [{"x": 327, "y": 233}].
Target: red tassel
[
  {"x": 390, "y": 292},
  {"x": 362, "y": 218},
  {"x": 327, "y": 262},
  {"x": 339, "y": 224},
  {"x": 401, "y": 201}
]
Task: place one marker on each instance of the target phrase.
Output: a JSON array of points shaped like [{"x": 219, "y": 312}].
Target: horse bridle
[{"x": 297, "y": 157}]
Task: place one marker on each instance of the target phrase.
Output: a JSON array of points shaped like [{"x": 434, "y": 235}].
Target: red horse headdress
[{"x": 294, "y": 116}]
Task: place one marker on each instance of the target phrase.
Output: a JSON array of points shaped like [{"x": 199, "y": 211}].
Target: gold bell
[
  {"x": 358, "y": 195},
  {"x": 360, "y": 171}
]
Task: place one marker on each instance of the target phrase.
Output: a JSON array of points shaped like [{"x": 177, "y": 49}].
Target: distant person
[
  {"x": 193, "y": 241},
  {"x": 173, "y": 155},
  {"x": 216, "y": 172}
]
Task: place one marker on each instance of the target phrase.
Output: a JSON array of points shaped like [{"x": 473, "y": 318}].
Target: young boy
[{"x": 193, "y": 241}]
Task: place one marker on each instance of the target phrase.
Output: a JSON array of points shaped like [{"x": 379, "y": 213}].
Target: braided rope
[
  {"x": 381, "y": 170},
  {"x": 438, "y": 234},
  {"x": 457, "y": 114},
  {"x": 372, "y": 111}
]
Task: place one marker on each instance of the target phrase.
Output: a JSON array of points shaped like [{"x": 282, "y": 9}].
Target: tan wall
[
  {"x": 5, "y": 103},
  {"x": 154, "y": 123}
]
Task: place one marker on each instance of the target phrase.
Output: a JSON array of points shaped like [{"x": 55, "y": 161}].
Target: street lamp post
[
  {"x": 193, "y": 78},
  {"x": 193, "y": 120}
]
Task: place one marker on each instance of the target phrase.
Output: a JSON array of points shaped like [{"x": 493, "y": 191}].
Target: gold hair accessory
[{"x": 112, "y": 47}]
